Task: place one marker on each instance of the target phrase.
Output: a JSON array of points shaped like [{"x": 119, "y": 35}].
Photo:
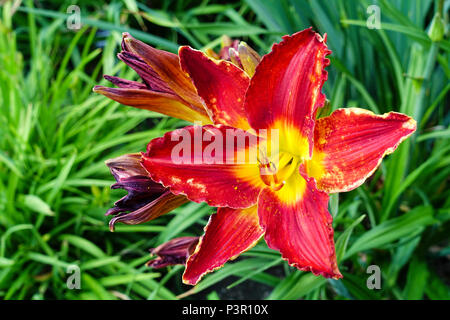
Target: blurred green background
[{"x": 55, "y": 135}]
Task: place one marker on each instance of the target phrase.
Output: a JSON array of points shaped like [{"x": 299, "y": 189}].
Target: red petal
[
  {"x": 188, "y": 166},
  {"x": 160, "y": 102},
  {"x": 350, "y": 144},
  {"x": 228, "y": 233},
  {"x": 285, "y": 91},
  {"x": 221, "y": 84},
  {"x": 296, "y": 222}
]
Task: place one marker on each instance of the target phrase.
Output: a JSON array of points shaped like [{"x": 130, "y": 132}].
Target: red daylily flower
[
  {"x": 333, "y": 154},
  {"x": 336, "y": 153}
]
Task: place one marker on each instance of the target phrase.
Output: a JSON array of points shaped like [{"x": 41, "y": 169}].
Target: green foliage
[{"x": 55, "y": 135}]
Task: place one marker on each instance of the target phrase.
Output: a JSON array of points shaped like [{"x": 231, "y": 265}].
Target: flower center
[{"x": 277, "y": 170}]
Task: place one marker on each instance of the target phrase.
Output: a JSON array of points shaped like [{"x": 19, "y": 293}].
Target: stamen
[{"x": 275, "y": 173}]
